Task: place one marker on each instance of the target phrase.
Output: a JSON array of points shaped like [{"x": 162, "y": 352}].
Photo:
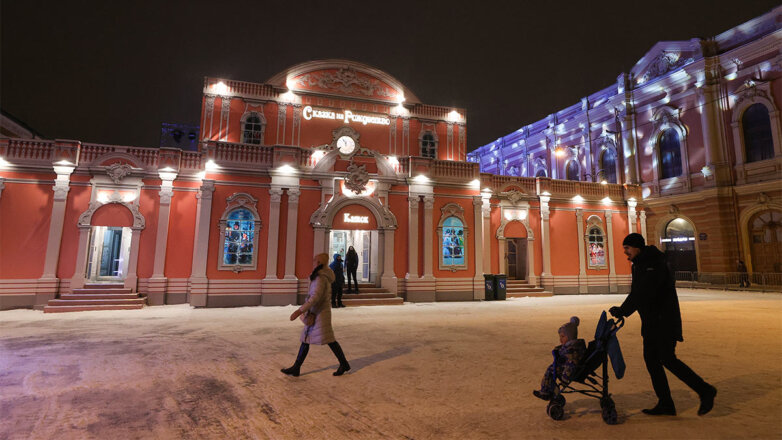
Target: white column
[
  {"x": 48, "y": 283},
  {"x": 612, "y": 285},
  {"x": 531, "y": 277},
  {"x": 199, "y": 284},
  {"x": 631, "y": 218},
  {"x": 2, "y": 186},
  {"x": 545, "y": 237},
  {"x": 319, "y": 246},
  {"x": 477, "y": 203},
  {"x": 487, "y": 238},
  {"x": 388, "y": 280},
  {"x": 157, "y": 283},
  {"x": 502, "y": 255},
  {"x": 429, "y": 244},
  {"x": 290, "y": 241},
  {"x": 582, "y": 275},
  {"x": 131, "y": 280},
  {"x": 412, "y": 237},
  {"x": 274, "y": 232},
  {"x": 643, "y": 225}
]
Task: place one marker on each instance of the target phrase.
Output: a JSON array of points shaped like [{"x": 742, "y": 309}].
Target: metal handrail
[{"x": 756, "y": 281}]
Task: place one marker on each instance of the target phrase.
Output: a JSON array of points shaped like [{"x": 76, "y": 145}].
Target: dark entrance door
[{"x": 516, "y": 254}]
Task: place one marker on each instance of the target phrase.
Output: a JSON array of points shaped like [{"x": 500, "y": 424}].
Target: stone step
[
  {"x": 85, "y": 308},
  {"x": 89, "y": 302},
  {"x": 368, "y": 295},
  {"x": 104, "y": 286},
  {"x": 524, "y": 289},
  {"x": 368, "y": 289},
  {"x": 542, "y": 293},
  {"x": 100, "y": 291},
  {"x": 396, "y": 301},
  {"x": 81, "y": 296}
]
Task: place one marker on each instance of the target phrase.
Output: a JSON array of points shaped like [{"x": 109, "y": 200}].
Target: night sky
[{"x": 111, "y": 72}]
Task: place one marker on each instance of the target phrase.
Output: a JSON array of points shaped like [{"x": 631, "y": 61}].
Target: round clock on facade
[{"x": 346, "y": 145}]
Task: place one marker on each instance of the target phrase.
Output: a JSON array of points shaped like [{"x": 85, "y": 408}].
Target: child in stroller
[{"x": 575, "y": 364}]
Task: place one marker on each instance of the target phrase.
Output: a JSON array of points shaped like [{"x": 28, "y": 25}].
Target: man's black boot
[
  {"x": 707, "y": 399},
  {"x": 295, "y": 369},
  {"x": 661, "y": 410}
]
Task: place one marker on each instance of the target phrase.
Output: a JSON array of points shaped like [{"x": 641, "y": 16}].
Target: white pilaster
[
  {"x": 2, "y": 186},
  {"x": 477, "y": 204},
  {"x": 429, "y": 244},
  {"x": 545, "y": 237},
  {"x": 486, "y": 211},
  {"x": 582, "y": 275},
  {"x": 388, "y": 280},
  {"x": 612, "y": 283},
  {"x": 412, "y": 238},
  {"x": 48, "y": 283},
  {"x": 198, "y": 282},
  {"x": 631, "y": 217},
  {"x": 290, "y": 241},
  {"x": 274, "y": 232},
  {"x": 643, "y": 225},
  {"x": 157, "y": 283},
  {"x": 131, "y": 280}
]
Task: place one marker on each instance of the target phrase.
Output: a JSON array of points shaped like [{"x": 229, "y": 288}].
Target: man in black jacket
[{"x": 653, "y": 295}]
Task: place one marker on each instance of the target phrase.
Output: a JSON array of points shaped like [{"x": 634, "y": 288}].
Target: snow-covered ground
[{"x": 442, "y": 371}]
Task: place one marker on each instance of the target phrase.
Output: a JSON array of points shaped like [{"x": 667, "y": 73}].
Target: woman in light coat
[{"x": 316, "y": 315}]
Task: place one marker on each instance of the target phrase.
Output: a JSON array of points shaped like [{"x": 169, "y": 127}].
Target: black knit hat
[{"x": 635, "y": 240}]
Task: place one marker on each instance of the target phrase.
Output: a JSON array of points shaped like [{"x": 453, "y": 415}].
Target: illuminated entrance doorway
[
  {"x": 679, "y": 242},
  {"x": 366, "y": 245},
  {"x": 109, "y": 254},
  {"x": 516, "y": 255}
]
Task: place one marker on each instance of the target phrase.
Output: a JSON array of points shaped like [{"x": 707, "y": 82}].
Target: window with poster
[
  {"x": 239, "y": 224},
  {"x": 453, "y": 238},
  {"x": 595, "y": 243}
]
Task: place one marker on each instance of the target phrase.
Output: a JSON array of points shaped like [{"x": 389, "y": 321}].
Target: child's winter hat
[{"x": 570, "y": 329}]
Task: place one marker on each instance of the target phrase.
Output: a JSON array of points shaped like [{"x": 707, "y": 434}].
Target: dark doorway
[{"x": 516, "y": 254}]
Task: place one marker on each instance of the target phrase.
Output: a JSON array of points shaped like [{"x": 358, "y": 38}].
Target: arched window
[
  {"x": 596, "y": 250},
  {"x": 572, "y": 170},
  {"x": 540, "y": 172},
  {"x": 428, "y": 146},
  {"x": 453, "y": 242},
  {"x": 608, "y": 165},
  {"x": 679, "y": 241},
  {"x": 252, "y": 129},
  {"x": 670, "y": 154},
  {"x": 453, "y": 238},
  {"x": 758, "y": 142},
  {"x": 766, "y": 239},
  {"x": 239, "y": 225}
]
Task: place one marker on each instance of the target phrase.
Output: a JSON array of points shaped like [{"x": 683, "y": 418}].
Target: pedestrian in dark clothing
[
  {"x": 351, "y": 264},
  {"x": 653, "y": 295},
  {"x": 741, "y": 268},
  {"x": 339, "y": 281}
]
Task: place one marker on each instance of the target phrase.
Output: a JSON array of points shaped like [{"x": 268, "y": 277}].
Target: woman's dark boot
[
  {"x": 295, "y": 370},
  {"x": 343, "y": 363}
]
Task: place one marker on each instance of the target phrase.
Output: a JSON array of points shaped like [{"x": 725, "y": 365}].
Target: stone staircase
[
  {"x": 370, "y": 296},
  {"x": 520, "y": 288},
  {"x": 96, "y": 297}
]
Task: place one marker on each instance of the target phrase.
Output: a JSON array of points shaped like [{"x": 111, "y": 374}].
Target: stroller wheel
[
  {"x": 559, "y": 399},
  {"x": 608, "y": 410},
  {"x": 555, "y": 411}
]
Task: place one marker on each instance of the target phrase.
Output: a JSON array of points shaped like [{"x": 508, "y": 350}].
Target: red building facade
[{"x": 324, "y": 155}]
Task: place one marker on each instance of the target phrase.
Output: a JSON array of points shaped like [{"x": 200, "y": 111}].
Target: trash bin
[
  {"x": 500, "y": 286},
  {"x": 489, "y": 288}
]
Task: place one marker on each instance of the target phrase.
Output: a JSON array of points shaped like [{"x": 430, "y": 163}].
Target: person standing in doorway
[
  {"x": 742, "y": 270},
  {"x": 316, "y": 315},
  {"x": 351, "y": 264},
  {"x": 339, "y": 281},
  {"x": 653, "y": 295}
]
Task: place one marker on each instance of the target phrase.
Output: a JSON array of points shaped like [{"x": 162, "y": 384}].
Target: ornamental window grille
[
  {"x": 758, "y": 141},
  {"x": 453, "y": 244},
  {"x": 252, "y": 129},
  {"x": 608, "y": 165},
  {"x": 428, "y": 146},
  {"x": 670, "y": 154}
]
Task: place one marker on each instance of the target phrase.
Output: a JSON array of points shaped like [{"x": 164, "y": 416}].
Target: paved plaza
[{"x": 420, "y": 371}]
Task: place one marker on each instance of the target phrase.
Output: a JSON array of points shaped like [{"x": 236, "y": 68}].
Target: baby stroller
[{"x": 605, "y": 346}]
